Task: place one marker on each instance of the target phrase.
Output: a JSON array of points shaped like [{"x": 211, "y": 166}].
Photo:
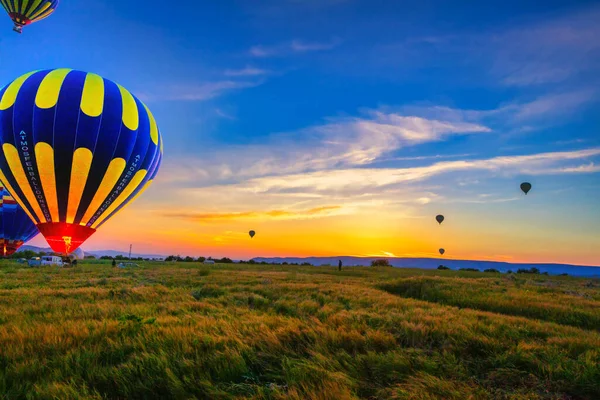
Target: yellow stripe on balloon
[
  {"x": 80, "y": 169},
  {"x": 114, "y": 171},
  {"x": 17, "y": 198},
  {"x": 130, "y": 116},
  {"x": 135, "y": 182},
  {"x": 44, "y": 154},
  {"x": 10, "y": 95},
  {"x": 43, "y": 15},
  {"x": 153, "y": 126},
  {"x": 24, "y": 6},
  {"x": 34, "y": 15},
  {"x": 92, "y": 98},
  {"x": 47, "y": 93},
  {"x": 33, "y": 7},
  {"x": 14, "y": 163}
]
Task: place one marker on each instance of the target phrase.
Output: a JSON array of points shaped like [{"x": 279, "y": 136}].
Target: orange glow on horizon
[{"x": 333, "y": 236}]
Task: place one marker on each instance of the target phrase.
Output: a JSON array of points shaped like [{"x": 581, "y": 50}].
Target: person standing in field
[{"x": 339, "y": 265}]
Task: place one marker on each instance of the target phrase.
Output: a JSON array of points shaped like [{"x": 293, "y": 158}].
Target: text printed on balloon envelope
[
  {"x": 122, "y": 184},
  {"x": 33, "y": 174}
]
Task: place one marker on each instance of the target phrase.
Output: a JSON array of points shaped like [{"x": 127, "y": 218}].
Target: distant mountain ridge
[
  {"x": 399, "y": 262},
  {"x": 432, "y": 263}
]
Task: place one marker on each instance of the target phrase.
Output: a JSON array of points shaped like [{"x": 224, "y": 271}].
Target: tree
[
  {"x": 531, "y": 270},
  {"x": 442, "y": 268},
  {"x": 114, "y": 263},
  {"x": 380, "y": 263},
  {"x": 491, "y": 270},
  {"x": 24, "y": 254},
  {"x": 188, "y": 259},
  {"x": 201, "y": 259}
]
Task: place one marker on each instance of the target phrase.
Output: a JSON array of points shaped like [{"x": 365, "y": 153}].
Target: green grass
[{"x": 186, "y": 330}]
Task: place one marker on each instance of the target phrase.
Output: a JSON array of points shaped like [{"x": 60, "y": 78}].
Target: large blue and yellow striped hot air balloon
[
  {"x": 15, "y": 226},
  {"x": 76, "y": 148},
  {"x": 25, "y": 12}
]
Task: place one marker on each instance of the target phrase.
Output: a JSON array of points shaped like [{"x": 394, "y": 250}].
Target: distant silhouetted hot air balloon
[
  {"x": 525, "y": 187},
  {"x": 15, "y": 226},
  {"x": 439, "y": 218},
  {"x": 76, "y": 148},
  {"x": 25, "y": 12},
  {"x": 442, "y": 251},
  {"x": 252, "y": 233}
]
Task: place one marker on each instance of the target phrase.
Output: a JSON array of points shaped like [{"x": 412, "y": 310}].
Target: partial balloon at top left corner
[{"x": 25, "y": 12}]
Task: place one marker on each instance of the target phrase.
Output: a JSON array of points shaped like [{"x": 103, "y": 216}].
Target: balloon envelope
[
  {"x": 15, "y": 226},
  {"x": 439, "y": 218},
  {"x": 78, "y": 254},
  {"x": 76, "y": 148},
  {"x": 525, "y": 187},
  {"x": 442, "y": 251},
  {"x": 252, "y": 233},
  {"x": 25, "y": 12}
]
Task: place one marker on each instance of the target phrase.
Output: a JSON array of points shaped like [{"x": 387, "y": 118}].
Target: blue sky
[{"x": 350, "y": 121}]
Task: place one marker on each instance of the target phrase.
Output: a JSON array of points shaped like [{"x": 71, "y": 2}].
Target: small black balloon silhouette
[
  {"x": 439, "y": 218},
  {"x": 442, "y": 251},
  {"x": 525, "y": 187},
  {"x": 252, "y": 233}
]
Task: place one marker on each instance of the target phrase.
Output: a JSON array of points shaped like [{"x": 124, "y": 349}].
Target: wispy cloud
[
  {"x": 358, "y": 181},
  {"x": 548, "y": 52},
  {"x": 197, "y": 92},
  {"x": 532, "y": 53},
  {"x": 340, "y": 142},
  {"x": 524, "y": 115},
  {"x": 401, "y": 192},
  {"x": 247, "y": 71},
  {"x": 294, "y": 47},
  {"x": 270, "y": 214},
  {"x": 554, "y": 105}
]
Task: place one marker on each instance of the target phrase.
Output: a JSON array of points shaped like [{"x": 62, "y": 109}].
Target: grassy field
[{"x": 185, "y": 330}]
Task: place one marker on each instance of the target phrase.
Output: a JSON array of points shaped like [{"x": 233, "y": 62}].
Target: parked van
[{"x": 52, "y": 260}]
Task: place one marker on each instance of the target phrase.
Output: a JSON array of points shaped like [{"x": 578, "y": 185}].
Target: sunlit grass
[{"x": 185, "y": 330}]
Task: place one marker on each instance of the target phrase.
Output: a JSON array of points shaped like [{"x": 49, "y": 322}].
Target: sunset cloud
[
  {"x": 294, "y": 47},
  {"x": 340, "y": 142},
  {"x": 248, "y": 215}
]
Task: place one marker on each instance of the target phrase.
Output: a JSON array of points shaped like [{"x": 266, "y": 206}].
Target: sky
[{"x": 343, "y": 127}]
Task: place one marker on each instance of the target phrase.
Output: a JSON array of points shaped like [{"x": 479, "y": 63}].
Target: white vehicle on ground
[{"x": 51, "y": 260}]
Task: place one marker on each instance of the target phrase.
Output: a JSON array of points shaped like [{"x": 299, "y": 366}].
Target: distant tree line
[{"x": 27, "y": 254}]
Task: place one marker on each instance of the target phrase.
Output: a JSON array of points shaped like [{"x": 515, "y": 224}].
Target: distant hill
[
  {"x": 399, "y": 262},
  {"x": 95, "y": 253},
  {"x": 432, "y": 263}
]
